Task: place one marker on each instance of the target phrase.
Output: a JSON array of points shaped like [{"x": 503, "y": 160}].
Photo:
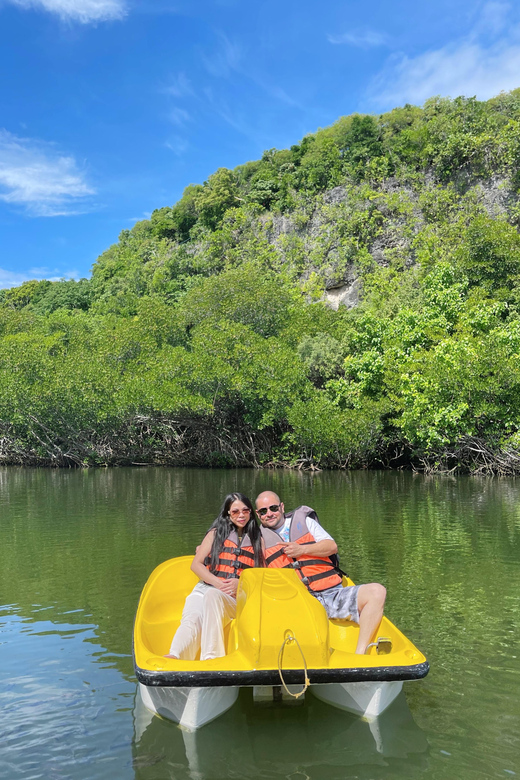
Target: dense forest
[{"x": 350, "y": 302}]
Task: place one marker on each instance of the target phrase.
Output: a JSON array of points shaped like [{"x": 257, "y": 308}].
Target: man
[{"x": 298, "y": 540}]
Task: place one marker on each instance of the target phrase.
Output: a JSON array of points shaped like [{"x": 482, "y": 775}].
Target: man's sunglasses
[{"x": 265, "y": 510}]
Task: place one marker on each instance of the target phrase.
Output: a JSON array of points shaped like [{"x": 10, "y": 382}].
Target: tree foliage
[{"x": 203, "y": 335}]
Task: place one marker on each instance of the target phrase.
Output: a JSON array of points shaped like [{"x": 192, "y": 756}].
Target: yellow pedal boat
[{"x": 280, "y": 642}]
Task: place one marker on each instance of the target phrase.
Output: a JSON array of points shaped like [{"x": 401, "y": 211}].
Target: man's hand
[
  {"x": 294, "y": 550},
  {"x": 229, "y": 586}
]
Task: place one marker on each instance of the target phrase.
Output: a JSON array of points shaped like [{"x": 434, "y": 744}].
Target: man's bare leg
[{"x": 371, "y": 600}]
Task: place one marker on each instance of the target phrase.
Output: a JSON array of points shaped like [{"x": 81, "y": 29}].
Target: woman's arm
[
  {"x": 230, "y": 586},
  {"x": 198, "y": 566}
]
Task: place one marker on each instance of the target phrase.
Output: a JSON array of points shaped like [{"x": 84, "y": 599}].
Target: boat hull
[
  {"x": 194, "y": 707},
  {"x": 368, "y": 699},
  {"x": 191, "y": 707}
]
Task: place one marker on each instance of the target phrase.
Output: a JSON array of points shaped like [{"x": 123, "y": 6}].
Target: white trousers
[{"x": 206, "y": 613}]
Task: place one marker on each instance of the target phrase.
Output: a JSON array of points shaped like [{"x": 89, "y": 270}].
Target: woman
[{"x": 232, "y": 544}]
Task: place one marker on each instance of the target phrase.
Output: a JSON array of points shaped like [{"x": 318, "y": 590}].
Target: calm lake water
[{"x": 76, "y": 548}]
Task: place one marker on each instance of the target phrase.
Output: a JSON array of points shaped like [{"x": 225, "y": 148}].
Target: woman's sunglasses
[
  {"x": 237, "y": 512},
  {"x": 265, "y": 510}
]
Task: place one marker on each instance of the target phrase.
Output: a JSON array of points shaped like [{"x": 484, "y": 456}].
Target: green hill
[{"x": 350, "y": 302}]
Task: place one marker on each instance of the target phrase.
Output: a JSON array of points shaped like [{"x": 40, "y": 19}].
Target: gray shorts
[{"x": 340, "y": 602}]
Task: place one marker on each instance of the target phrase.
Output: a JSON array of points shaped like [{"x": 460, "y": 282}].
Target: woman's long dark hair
[{"x": 223, "y": 527}]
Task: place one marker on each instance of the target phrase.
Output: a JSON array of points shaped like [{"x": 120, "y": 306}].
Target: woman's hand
[{"x": 229, "y": 586}]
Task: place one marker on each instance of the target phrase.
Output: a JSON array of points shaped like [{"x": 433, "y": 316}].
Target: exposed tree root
[{"x": 159, "y": 440}]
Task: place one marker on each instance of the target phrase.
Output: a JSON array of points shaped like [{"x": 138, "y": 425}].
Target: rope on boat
[{"x": 288, "y": 639}]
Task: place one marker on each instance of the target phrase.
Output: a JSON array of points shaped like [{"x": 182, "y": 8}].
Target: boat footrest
[{"x": 276, "y": 694}]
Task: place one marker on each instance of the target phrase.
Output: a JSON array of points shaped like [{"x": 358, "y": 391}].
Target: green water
[{"x": 76, "y": 548}]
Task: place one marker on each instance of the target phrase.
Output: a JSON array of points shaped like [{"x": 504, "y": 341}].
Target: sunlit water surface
[{"x": 76, "y": 548}]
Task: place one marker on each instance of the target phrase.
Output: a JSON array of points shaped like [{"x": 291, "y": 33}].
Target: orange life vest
[
  {"x": 317, "y": 573},
  {"x": 234, "y": 557}
]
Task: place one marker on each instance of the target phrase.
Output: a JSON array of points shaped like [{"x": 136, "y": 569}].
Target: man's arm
[{"x": 322, "y": 547}]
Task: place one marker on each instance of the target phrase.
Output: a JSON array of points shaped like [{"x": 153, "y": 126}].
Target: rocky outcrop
[{"x": 319, "y": 240}]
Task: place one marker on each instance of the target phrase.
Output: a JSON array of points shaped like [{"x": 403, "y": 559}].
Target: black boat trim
[{"x": 209, "y": 679}]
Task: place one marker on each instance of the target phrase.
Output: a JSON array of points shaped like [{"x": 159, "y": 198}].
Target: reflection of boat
[
  {"x": 279, "y": 628},
  {"x": 277, "y": 742}
]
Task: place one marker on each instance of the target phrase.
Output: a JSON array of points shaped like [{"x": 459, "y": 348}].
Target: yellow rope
[{"x": 289, "y": 638}]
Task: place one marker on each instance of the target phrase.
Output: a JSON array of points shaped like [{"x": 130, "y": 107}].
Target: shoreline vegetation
[{"x": 350, "y": 302}]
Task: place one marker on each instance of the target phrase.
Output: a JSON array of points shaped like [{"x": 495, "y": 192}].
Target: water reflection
[
  {"x": 309, "y": 741},
  {"x": 61, "y": 702},
  {"x": 76, "y": 548}
]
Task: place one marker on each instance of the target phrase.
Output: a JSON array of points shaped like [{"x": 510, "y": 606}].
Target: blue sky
[{"x": 111, "y": 107}]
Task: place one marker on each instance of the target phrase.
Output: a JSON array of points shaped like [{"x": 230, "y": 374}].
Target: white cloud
[
  {"x": 224, "y": 60},
  {"x": 480, "y": 64},
  {"x": 492, "y": 19},
  {"x": 177, "y": 145},
  {"x": 179, "y": 116},
  {"x": 52, "y": 274},
  {"x": 35, "y": 175},
  {"x": 84, "y": 11},
  {"x": 276, "y": 92},
  {"x": 11, "y": 279},
  {"x": 363, "y": 39},
  {"x": 178, "y": 86},
  {"x": 221, "y": 108}
]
